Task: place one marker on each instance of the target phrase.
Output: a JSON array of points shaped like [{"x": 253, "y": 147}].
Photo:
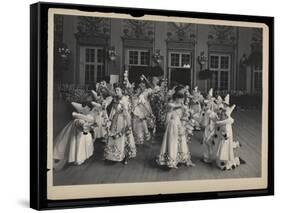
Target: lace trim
[
  {"x": 112, "y": 152},
  {"x": 165, "y": 159},
  {"x": 142, "y": 139},
  {"x": 182, "y": 157}
]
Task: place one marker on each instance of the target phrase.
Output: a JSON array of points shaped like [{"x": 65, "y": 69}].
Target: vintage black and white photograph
[{"x": 146, "y": 100}]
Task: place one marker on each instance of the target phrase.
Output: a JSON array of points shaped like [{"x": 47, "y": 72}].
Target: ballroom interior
[{"x": 226, "y": 58}]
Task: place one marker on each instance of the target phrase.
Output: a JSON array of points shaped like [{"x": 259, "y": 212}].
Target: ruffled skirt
[
  {"x": 174, "y": 148},
  {"x": 120, "y": 143},
  {"x": 140, "y": 130}
]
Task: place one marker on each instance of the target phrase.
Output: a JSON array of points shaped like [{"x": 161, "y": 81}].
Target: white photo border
[{"x": 154, "y": 188}]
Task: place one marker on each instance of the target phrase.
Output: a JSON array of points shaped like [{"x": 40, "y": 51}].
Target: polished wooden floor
[{"x": 247, "y": 130}]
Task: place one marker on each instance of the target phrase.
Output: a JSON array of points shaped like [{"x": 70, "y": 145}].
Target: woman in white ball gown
[
  {"x": 225, "y": 158},
  {"x": 74, "y": 144},
  {"x": 120, "y": 145},
  {"x": 174, "y": 148}
]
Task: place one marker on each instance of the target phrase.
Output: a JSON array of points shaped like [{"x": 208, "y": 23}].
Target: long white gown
[
  {"x": 72, "y": 145},
  {"x": 150, "y": 119},
  {"x": 139, "y": 123},
  {"x": 120, "y": 143},
  {"x": 196, "y": 108},
  {"x": 209, "y": 122},
  {"x": 225, "y": 157},
  {"x": 174, "y": 148},
  {"x": 101, "y": 119}
]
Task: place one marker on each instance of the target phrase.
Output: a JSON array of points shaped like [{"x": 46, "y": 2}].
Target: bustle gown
[
  {"x": 174, "y": 148},
  {"x": 72, "y": 145},
  {"x": 120, "y": 143}
]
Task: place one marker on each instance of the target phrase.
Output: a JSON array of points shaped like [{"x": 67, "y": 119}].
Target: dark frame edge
[
  {"x": 270, "y": 24},
  {"x": 36, "y": 167},
  {"x": 38, "y": 106},
  {"x": 34, "y": 60}
]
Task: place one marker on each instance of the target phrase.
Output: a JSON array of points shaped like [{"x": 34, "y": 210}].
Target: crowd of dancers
[{"x": 128, "y": 115}]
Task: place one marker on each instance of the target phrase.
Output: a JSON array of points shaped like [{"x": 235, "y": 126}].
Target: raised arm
[
  {"x": 108, "y": 101},
  {"x": 95, "y": 94},
  {"x": 146, "y": 81},
  {"x": 80, "y": 108},
  {"x": 224, "y": 122},
  {"x": 86, "y": 118}
]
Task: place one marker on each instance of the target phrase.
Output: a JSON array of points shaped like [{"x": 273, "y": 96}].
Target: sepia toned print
[{"x": 155, "y": 105}]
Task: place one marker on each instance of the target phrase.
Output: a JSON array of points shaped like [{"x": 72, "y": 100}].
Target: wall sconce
[
  {"x": 112, "y": 54},
  {"x": 64, "y": 52},
  {"x": 202, "y": 59},
  {"x": 157, "y": 57}
]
